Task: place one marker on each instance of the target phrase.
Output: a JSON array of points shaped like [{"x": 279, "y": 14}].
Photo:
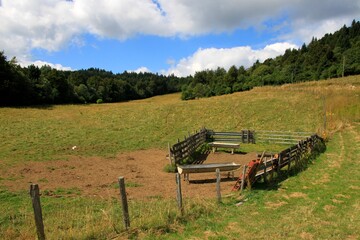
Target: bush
[
  {"x": 170, "y": 168},
  {"x": 99, "y": 101}
]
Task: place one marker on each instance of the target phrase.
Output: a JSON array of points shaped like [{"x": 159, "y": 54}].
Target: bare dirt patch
[
  {"x": 306, "y": 235},
  {"x": 298, "y": 195},
  {"x": 275, "y": 205},
  {"x": 143, "y": 172}
]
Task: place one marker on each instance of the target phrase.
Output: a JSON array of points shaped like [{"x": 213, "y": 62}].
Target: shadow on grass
[
  {"x": 201, "y": 157},
  {"x": 39, "y": 107},
  {"x": 275, "y": 183}
]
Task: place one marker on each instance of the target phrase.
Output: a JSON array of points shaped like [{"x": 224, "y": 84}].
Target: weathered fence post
[
  {"x": 179, "y": 194},
  {"x": 289, "y": 164},
  {"x": 218, "y": 179},
  {"x": 297, "y": 158},
  {"x": 124, "y": 203},
  {"x": 35, "y": 197},
  {"x": 279, "y": 166},
  {"x": 265, "y": 173},
  {"x": 272, "y": 168},
  {"x": 169, "y": 154},
  {"x": 243, "y": 179}
]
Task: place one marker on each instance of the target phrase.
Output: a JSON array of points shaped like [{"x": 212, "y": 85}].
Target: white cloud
[
  {"x": 188, "y": 17},
  {"x": 37, "y": 24},
  {"x": 310, "y": 18},
  {"x": 141, "y": 70},
  {"x": 54, "y": 24},
  {"x": 211, "y": 58},
  {"x": 42, "y": 63},
  {"x": 318, "y": 30},
  {"x": 120, "y": 19}
]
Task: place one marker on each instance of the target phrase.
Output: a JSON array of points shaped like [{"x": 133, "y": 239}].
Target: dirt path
[{"x": 93, "y": 176}]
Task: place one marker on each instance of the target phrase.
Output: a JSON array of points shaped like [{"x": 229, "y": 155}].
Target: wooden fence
[
  {"x": 298, "y": 152},
  {"x": 184, "y": 149},
  {"x": 302, "y": 143},
  {"x": 296, "y": 156},
  {"x": 281, "y": 137},
  {"x": 244, "y": 136}
]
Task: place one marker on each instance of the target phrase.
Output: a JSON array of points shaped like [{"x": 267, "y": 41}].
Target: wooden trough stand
[
  {"x": 206, "y": 168},
  {"x": 216, "y": 145}
]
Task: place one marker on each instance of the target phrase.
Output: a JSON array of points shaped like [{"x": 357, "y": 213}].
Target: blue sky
[
  {"x": 154, "y": 52},
  {"x": 165, "y": 36}
]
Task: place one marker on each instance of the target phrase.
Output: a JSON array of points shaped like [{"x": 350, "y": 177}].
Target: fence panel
[{"x": 279, "y": 137}]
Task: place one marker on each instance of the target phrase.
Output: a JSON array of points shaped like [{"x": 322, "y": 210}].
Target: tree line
[
  {"x": 45, "y": 85},
  {"x": 334, "y": 55}
]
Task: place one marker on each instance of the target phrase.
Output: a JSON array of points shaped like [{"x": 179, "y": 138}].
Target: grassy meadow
[{"x": 322, "y": 202}]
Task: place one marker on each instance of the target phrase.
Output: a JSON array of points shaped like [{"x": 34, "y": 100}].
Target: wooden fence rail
[
  {"x": 244, "y": 136},
  {"x": 185, "y": 148},
  {"x": 278, "y": 137}
]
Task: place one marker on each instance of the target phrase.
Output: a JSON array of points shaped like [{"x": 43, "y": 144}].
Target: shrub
[{"x": 170, "y": 168}]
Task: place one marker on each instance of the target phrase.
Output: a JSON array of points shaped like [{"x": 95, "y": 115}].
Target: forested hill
[
  {"x": 32, "y": 85},
  {"x": 332, "y": 56}
]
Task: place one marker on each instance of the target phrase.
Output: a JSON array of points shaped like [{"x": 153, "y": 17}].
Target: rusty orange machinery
[{"x": 250, "y": 174}]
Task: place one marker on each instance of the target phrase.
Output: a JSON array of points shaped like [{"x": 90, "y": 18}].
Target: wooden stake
[
  {"x": 243, "y": 179},
  {"x": 218, "y": 180},
  {"x": 179, "y": 194},
  {"x": 289, "y": 164},
  {"x": 124, "y": 203},
  {"x": 279, "y": 165},
  {"x": 170, "y": 157},
  {"x": 35, "y": 197},
  {"x": 265, "y": 164},
  {"x": 272, "y": 168}
]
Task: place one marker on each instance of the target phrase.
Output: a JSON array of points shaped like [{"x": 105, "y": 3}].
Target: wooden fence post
[
  {"x": 35, "y": 197},
  {"x": 279, "y": 166},
  {"x": 124, "y": 203},
  {"x": 218, "y": 179},
  {"x": 265, "y": 173},
  {"x": 297, "y": 159},
  {"x": 243, "y": 179},
  {"x": 170, "y": 159},
  {"x": 179, "y": 194},
  {"x": 289, "y": 164},
  {"x": 272, "y": 168}
]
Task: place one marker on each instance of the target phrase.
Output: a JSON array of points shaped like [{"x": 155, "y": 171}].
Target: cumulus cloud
[
  {"x": 42, "y": 63},
  {"x": 120, "y": 19},
  {"x": 188, "y": 17},
  {"x": 310, "y": 18},
  {"x": 318, "y": 30},
  {"x": 54, "y": 24},
  {"x": 211, "y": 58},
  {"x": 37, "y": 24},
  {"x": 141, "y": 70}
]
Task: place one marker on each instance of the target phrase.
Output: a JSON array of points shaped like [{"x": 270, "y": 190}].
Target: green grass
[
  {"x": 43, "y": 134},
  {"x": 322, "y": 202},
  {"x": 32, "y": 134}
]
